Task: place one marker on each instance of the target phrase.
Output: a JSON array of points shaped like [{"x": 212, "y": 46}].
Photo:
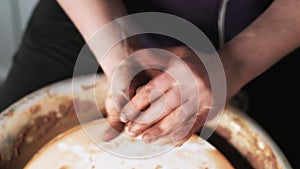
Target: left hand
[{"x": 123, "y": 84}]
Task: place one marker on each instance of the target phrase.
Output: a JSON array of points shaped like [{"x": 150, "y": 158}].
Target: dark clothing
[
  {"x": 51, "y": 44},
  {"x": 47, "y": 53},
  {"x": 204, "y": 14}
]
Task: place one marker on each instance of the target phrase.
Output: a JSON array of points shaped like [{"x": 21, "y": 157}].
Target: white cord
[{"x": 221, "y": 23}]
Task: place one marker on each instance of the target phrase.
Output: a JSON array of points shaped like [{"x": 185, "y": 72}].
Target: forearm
[
  {"x": 267, "y": 40},
  {"x": 89, "y": 16}
]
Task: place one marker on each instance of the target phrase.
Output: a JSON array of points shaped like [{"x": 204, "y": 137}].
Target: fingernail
[
  {"x": 127, "y": 131},
  {"x": 123, "y": 118},
  {"x": 131, "y": 134},
  {"x": 148, "y": 138},
  {"x": 131, "y": 131}
]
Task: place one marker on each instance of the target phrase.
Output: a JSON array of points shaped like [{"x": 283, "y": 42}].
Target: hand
[
  {"x": 167, "y": 108},
  {"x": 127, "y": 77}
]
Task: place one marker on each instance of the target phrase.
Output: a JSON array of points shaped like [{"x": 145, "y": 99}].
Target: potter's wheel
[{"x": 34, "y": 128}]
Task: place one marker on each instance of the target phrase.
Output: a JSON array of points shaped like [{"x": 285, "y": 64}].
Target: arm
[
  {"x": 89, "y": 16},
  {"x": 267, "y": 40}
]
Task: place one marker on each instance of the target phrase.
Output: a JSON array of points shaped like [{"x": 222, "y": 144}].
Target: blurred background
[{"x": 14, "y": 15}]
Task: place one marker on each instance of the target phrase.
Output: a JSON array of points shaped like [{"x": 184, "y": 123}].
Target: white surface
[{"x": 73, "y": 149}]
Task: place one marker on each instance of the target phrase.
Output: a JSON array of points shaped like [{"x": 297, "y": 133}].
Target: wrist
[
  {"x": 113, "y": 58},
  {"x": 234, "y": 72}
]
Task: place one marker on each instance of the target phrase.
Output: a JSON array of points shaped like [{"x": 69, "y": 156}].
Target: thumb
[
  {"x": 116, "y": 127},
  {"x": 113, "y": 119}
]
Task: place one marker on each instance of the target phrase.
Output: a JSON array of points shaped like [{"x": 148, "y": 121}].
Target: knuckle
[
  {"x": 148, "y": 88},
  {"x": 173, "y": 99},
  {"x": 136, "y": 105}
]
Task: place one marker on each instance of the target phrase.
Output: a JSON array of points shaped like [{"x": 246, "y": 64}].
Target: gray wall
[{"x": 14, "y": 15}]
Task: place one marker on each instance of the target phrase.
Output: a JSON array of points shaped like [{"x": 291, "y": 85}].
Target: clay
[{"x": 44, "y": 128}]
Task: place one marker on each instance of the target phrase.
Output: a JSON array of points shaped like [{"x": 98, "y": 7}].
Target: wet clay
[{"x": 44, "y": 128}]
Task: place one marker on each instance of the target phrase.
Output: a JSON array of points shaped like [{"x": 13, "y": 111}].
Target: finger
[
  {"x": 172, "y": 122},
  {"x": 116, "y": 126},
  {"x": 176, "y": 137},
  {"x": 169, "y": 140},
  {"x": 115, "y": 100},
  {"x": 157, "y": 111},
  {"x": 139, "y": 89},
  {"x": 181, "y": 142},
  {"x": 140, "y": 79},
  {"x": 155, "y": 88}
]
